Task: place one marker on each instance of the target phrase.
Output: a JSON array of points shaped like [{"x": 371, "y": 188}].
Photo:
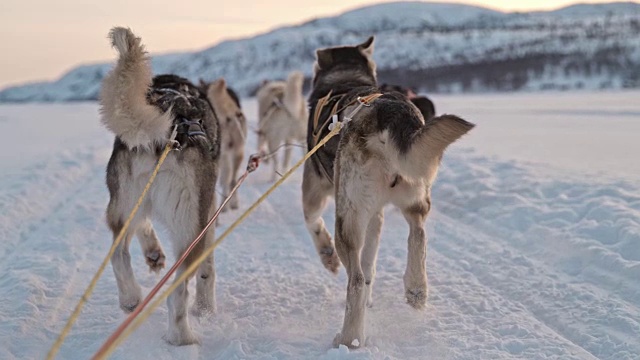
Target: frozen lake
[{"x": 534, "y": 245}]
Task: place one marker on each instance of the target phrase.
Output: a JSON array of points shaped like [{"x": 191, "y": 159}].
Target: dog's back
[{"x": 423, "y": 103}]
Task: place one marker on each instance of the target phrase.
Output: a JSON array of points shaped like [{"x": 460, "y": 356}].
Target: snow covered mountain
[{"x": 435, "y": 47}]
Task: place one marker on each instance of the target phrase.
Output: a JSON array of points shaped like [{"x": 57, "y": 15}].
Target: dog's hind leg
[
  {"x": 151, "y": 248},
  {"x": 415, "y": 276},
  {"x": 370, "y": 253},
  {"x": 129, "y": 292},
  {"x": 180, "y": 332},
  {"x": 205, "y": 302},
  {"x": 237, "y": 162},
  {"x": 226, "y": 175},
  {"x": 273, "y": 142},
  {"x": 351, "y": 223},
  {"x": 315, "y": 191},
  {"x": 287, "y": 154}
]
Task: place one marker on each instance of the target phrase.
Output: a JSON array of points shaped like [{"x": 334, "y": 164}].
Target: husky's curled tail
[
  {"x": 123, "y": 99},
  {"x": 417, "y": 149},
  {"x": 293, "y": 99}
]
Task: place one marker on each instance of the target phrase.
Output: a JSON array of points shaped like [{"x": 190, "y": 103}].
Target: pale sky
[{"x": 42, "y": 39}]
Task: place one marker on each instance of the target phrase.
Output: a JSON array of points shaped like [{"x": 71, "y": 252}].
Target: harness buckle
[
  {"x": 364, "y": 101},
  {"x": 334, "y": 122}
]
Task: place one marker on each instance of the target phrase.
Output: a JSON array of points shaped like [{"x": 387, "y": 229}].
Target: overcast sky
[{"x": 41, "y": 39}]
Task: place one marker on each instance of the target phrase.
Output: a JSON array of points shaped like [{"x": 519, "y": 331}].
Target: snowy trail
[
  {"x": 522, "y": 263},
  {"x": 570, "y": 267}
]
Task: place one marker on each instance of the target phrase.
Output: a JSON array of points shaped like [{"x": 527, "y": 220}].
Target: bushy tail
[
  {"x": 419, "y": 156},
  {"x": 124, "y": 107},
  {"x": 293, "y": 98}
]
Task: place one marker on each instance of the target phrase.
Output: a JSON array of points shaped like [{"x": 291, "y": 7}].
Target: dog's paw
[
  {"x": 182, "y": 338},
  {"x": 130, "y": 298},
  {"x": 129, "y": 305},
  {"x": 203, "y": 311},
  {"x": 330, "y": 259},
  {"x": 417, "y": 297},
  {"x": 350, "y": 342},
  {"x": 155, "y": 259}
]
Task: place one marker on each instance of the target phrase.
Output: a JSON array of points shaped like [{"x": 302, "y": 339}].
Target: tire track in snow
[
  {"x": 583, "y": 231},
  {"x": 278, "y": 258},
  {"x": 50, "y": 265},
  {"x": 464, "y": 319},
  {"x": 575, "y": 312},
  {"x": 31, "y": 198}
]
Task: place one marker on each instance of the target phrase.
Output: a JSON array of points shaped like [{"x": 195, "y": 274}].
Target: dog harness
[
  {"x": 329, "y": 108},
  {"x": 190, "y": 127},
  {"x": 184, "y": 128},
  {"x": 277, "y": 104},
  {"x": 333, "y": 116}
]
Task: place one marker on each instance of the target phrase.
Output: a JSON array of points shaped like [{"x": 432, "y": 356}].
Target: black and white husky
[
  {"x": 386, "y": 153},
  {"x": 143, "y": 112}
]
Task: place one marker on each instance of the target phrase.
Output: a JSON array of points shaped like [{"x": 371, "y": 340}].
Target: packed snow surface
[{"x": 534, "y": 245}]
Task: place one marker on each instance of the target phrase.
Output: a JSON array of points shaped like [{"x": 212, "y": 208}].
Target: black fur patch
[
  {"x": 189, "y": 102},
  {"x": 425, "y": 106},
  {"x": 423, "y": 103},
  {"x": 397, "y": 116}
]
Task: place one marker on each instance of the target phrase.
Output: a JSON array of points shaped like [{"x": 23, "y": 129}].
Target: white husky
[{"x": 282, "y": 116}]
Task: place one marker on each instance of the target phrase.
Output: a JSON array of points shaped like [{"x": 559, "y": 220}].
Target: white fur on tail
[
  {"x": 428, "y": 145},
  {"x": 124, "y": 106},
  {"x": 293, "y": 98}
]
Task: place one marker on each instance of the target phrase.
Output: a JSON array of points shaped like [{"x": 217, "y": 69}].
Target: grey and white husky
[
  {"x": 143, "y": 112},
  {"x": 386, "y": 153}
]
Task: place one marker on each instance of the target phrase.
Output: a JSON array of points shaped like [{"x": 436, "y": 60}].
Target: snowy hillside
[
  {"x": 525, "y": 261},
  {"x": 435, "y": 47}
]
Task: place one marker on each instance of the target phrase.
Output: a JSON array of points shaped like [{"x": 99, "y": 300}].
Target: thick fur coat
[
  {"x": 386, "y": 153},
  {"x": 282, "y": 116},
  {"x": 233, "y": 135},
  {"x": 142, "y": 112}
]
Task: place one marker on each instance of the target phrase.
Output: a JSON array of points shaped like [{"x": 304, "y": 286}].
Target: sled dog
[
  {"x": 233, "y": 134},
  {"x": 282, "y": 116},
  {"x": 143, "y": 112},
  {"x": 385, "y": 153}
]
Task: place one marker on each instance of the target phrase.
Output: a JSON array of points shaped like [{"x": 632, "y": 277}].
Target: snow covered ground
[{"x": 534, "y": 245}]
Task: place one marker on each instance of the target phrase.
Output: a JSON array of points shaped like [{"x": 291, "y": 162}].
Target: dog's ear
[
  {"x": 442, "y": 131},
  {"x": 366, "y": 48},
  {"x": 203, "y": 84},
  {"x": 219, "y": 84},
  {"x": 295, "y": 77},
  {"x": 324, "y": 58}
]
